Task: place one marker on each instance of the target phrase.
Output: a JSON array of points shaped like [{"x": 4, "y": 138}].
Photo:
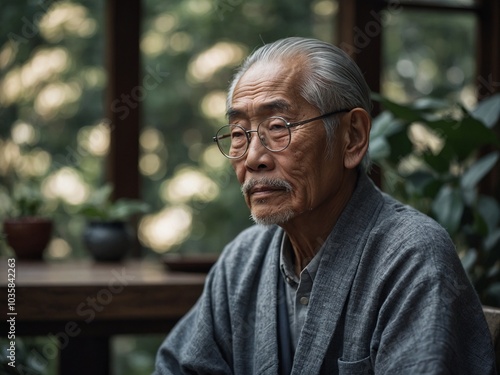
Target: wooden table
[{"x": 82, "y": 303}]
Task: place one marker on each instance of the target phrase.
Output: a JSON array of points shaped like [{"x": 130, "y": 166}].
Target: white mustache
[{"x": 265, "y": 181}]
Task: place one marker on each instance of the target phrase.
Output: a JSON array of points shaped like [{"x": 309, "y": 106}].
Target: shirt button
[{"x": 304, "y": 300}]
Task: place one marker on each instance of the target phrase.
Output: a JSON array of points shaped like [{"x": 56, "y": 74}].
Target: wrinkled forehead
[{"x": 265, "y": 80}]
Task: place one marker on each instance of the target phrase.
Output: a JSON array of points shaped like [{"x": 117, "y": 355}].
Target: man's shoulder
[
  {"x": 403, "y": 221},
  {"x": 404, "y": 233},
  {"x": 254, "y": 236},
  {"x": 251, "y": 245}
]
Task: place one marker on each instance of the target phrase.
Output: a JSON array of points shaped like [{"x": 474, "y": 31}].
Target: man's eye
[
  {"x": 237, "y": 134},
  {"x": 277, "y": 126}
]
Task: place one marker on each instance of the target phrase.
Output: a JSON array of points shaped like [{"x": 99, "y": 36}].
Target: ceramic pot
[
  {"x": 28, "y": 236},
  {"x": 107, "y": 241}
]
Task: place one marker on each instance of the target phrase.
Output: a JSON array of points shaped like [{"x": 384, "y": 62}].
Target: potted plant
[
  {"x": 108, "y": 235},
  {"x": 433, "y": 155},
  {"x": 27, "y": 231}
]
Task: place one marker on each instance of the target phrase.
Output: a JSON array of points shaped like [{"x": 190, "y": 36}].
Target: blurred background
[{"x": 57, "y": 118}]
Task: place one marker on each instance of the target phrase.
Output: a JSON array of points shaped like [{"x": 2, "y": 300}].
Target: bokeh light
[
  {"x": 23, "y": 133},
  {"x": 213, "y": 159},
  {"x": 66, "y": 18},
  {"x": 206, "y": 64},
  {"x": 165, "y": 229},
  {"x": 58, "y": 248},
  {"x": 213, "y": 105},
  {"x": 187, "y": 184},
  {"x": 54, "y": 96},
  {"x": 95, "y": 139},
  {"x": 325, "y": 8},
  {"x": 66, "y": 184},
  {"x": 151, "y": 140}
]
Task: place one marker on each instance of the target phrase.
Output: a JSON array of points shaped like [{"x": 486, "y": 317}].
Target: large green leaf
[
  {"x": 464, "y": 136},
  {"x": 478, "y": 170},
  {"x": 442, "y": 161},
  {"x": 469, "y": 259},
  {"x": 401, "y": 146},
  {"x": 492, "y": 240},
  {"x": 430, "y": 104},
  {"x": 379, "y": 149},
  {"x": 418, "y": 181},
  {"x": 448, "y": 208},
  {"x": 122, "y": 209},
  {"x": 400, "y": 111},
  {"x": 488, "y": 111},
  {"x": 384, "y": 125},
  {"x": 489, "y": 209}
]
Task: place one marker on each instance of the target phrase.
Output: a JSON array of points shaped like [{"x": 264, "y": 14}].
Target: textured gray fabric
[
  {"x": 390, "y": 297},
  {"x": 297, "y": 287}
]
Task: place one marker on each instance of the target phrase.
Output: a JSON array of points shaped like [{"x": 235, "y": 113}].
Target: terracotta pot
[{"x": 28, "y": 236}]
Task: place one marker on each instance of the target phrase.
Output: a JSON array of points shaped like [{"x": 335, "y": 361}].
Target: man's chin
[{"x": 277, "y": 218}]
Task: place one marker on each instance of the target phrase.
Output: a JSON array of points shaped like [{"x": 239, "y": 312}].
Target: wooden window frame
[
  {"x": 123, "y": 29},
  {"x": 363, "y": 17}
]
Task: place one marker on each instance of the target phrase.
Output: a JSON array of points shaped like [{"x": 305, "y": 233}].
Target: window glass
[
  {"x": 429, "y": 54},
  {"x": 51, "y": 91},
  {"x": 197, "y": 45}
]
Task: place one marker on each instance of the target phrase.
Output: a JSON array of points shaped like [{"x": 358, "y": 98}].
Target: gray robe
[{"x": 390, "y": 297}]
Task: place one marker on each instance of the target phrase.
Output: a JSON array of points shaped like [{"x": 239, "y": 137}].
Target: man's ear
[{"x": 357, "y": 137}]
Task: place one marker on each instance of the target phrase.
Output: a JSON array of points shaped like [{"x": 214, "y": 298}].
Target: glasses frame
[{"x": 288, "y": 125}]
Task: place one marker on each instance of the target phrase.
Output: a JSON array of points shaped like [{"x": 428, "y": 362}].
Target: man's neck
[{"x": 309, "y": 231}]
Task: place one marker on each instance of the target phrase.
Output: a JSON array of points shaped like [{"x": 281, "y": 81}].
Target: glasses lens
[
  {"x": 274, "y": 134},
  {"x": 232, "y": 141}
]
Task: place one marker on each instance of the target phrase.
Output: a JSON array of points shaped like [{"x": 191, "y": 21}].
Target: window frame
[{"x": 124, "y": 71}]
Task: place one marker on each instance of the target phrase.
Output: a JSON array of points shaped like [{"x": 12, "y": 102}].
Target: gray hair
[{"x": 330, "y": 80}]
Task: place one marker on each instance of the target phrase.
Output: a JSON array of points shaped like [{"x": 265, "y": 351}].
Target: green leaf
[
  {"x": 464, "y": 136},
  {"x": 93, "y": 212},
  {"x": 442, "y": 161},
  {"x": 478, "y": 170},
  {"x": 469, "y": 259},
  {"x": 480, "y": 226},
  {"x": 492, "y": 240},
  {"x": 488, "y": 110},
  {"x": 122, "y": 209},
  {"x": 379, "y": 149},
  {"x": 400, "y": 111},
  {"x": 400, "y": 145},
  {"x": 448, "y": 208},
  {"x": 431, "y": 104},
  {"x": 384, "y": 125},
  {"x": 489, "y": 209},
  {"x": 418, "y": 181},
  {"x": 101, "y": 195}
]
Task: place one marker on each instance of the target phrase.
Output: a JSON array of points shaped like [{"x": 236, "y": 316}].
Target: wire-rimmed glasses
[{"x": 274, "y": 134}]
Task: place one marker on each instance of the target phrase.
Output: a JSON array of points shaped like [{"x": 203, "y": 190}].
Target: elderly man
[{"x": 337, "y": 277}]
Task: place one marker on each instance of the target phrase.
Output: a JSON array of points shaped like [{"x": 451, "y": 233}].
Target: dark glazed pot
[
  {"x": 28, "y": 236},
  {"x": 107, "y": 241}
]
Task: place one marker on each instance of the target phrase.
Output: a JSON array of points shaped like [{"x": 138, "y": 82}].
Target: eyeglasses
[{"x": 274, "y": 134}]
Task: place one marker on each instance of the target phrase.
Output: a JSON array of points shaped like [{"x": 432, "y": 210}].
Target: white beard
[{"x": 277, "y": 218}]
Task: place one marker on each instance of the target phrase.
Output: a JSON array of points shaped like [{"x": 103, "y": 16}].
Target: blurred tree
[
  {"x": 51, "y": 93},
  {"x": 199, "y": 44}
]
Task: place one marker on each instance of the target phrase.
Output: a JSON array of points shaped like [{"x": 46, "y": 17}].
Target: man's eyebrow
[
  {"x": 231, "y": 112},
  {"x": 279, "y": 104},
  {"x": 275, "y": 105}
]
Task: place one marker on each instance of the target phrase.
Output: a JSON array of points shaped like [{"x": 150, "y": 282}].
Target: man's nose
[{"x": 258, "y": 157}]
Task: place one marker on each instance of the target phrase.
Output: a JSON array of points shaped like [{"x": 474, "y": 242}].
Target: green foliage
[
  {"x": 443, "y": 180},
  {"x": 100, "y": 207},
  {"x": 29, "y": 358},
  {"x": 23, "y": 199}
]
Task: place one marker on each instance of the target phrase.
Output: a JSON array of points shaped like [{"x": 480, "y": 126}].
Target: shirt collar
[{"x": 286, "y": 264}]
